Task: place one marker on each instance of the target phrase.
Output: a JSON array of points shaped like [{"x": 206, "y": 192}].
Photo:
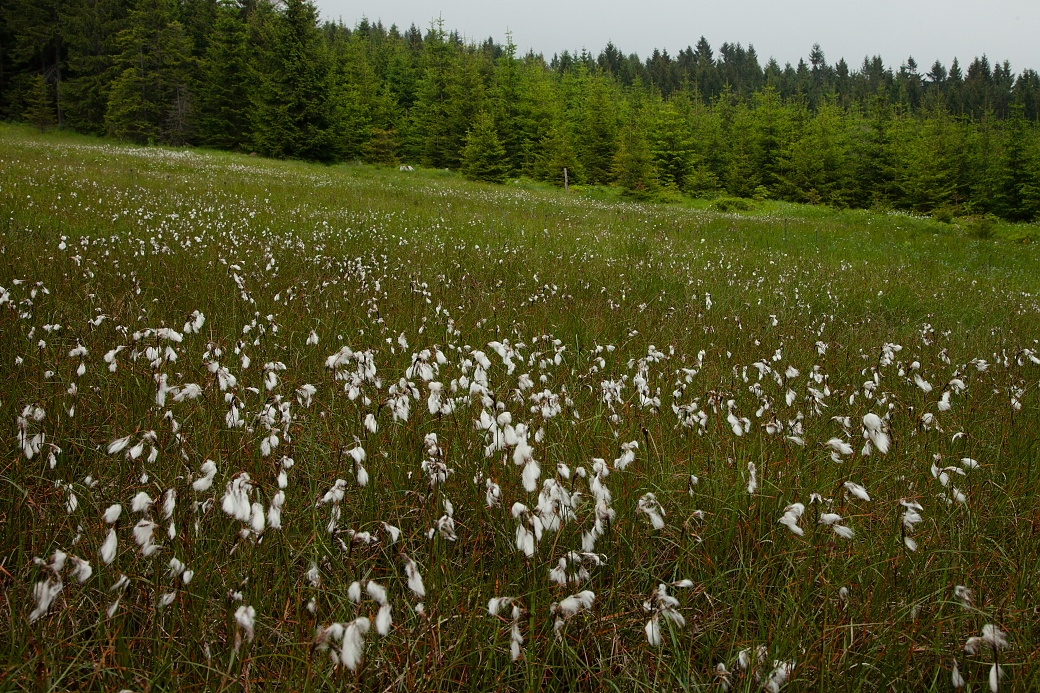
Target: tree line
[{"x": 267, "y": 76}]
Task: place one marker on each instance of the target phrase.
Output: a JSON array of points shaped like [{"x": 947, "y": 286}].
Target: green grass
[{"x": 366, "y": 257}]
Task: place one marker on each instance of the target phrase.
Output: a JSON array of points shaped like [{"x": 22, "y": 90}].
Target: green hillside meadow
[{"x": 279, "y": 426}]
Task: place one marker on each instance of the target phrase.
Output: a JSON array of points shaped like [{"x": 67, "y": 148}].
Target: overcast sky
[{"x": 894, "y": 29}]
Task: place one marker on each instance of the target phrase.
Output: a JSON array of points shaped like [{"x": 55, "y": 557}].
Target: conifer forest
[{"x": 271, "y": 78}]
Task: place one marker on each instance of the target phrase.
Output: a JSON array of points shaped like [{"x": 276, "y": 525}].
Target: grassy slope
[{"x": 363, "y": 255}]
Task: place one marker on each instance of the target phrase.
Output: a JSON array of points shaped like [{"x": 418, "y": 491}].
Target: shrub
[
  {"x": 982, "y": 226},
  {"x": 732, "y": 204}
]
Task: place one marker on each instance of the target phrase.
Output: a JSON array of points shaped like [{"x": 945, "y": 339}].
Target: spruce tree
[
  {"x": 599, "y": 130},
  {"x": 150, "y": 100},
  {"x": 40, "y": 109},
  {"x": 815, "y": 167},
  {"x": 432, "y": 131},
  {"x": 36, "y": 48},
  {"x": 876, "y": 168},
  {"x": 294, "y": 115},
  {"x": 555, "y": 152},
  {"x": 484, "y": 157},
  {"x": 508, "y": 103},
  {"x": 89, "y": 29},
  {"x": 742, "y": 176},
  {"x": 634, "y": 168},
  {"x": 671, "y": 143},
  {"x": 223, "y": 100},
  {"x": 1014, "y": 172}
]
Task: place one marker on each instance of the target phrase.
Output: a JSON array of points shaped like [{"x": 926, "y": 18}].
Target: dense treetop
[{"x": 266, "y": 76}]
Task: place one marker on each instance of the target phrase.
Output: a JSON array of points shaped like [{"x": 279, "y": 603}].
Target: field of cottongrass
[{"x": 275, "y": 426}]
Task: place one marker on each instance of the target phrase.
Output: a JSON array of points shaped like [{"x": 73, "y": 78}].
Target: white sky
[{"x": 893, "y": 29}]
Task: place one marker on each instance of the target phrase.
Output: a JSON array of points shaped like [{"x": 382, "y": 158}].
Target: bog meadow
[
  {"x": 276, "y": 425},
  {"x": 360, "y": 358}
]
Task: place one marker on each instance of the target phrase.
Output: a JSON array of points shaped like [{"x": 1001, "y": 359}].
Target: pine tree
[{"x": 484, "y": 157}]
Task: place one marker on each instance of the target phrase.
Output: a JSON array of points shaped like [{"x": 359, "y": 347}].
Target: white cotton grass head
[
  {"x": 415, "y": 581},
  {"x": 792, "y": 514},
  {"x": 353, "y": 644},
  {"x": 118, "y": 445},
  {"x": 384, "y": 620},
  {"x": 996, "y": 674},
  {"x": 875, "y": 434},
  {"x": 496, "y": 604},
  {"x": 44, "y": 593},
  {"x": 81, "y": 569},
  {"x": 245, "y": 620},
  {"x": 377, "y": 592},
  {"x": 516, "y": 639},
  {"x": 648, "y": 505},
  {"x": 141, "y": 503},
  {"x": 857, "y": 491},
  {"x": 778, "y": 676},
  {"x": 354, "y": 592},
  {"x": 572, "y": 605},
  {"x": 209, "y": 471},
  {"x": 992, "y": 638},
  {"x": 663, "y": 608},
  {"x": 169, "y": 503},
  {"x": 109, "y": 547},
  {"x": 956, "y": 680}
]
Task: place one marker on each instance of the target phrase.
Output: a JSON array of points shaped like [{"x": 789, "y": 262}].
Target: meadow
[{"x": 278, "y": 426}]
